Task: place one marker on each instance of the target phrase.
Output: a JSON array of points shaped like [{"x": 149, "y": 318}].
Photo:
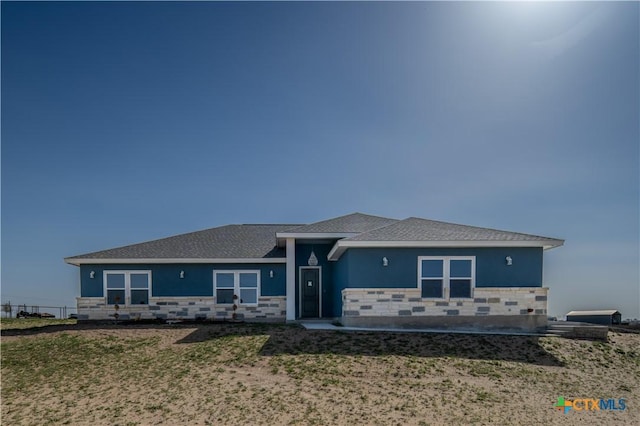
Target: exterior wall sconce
[
  {"x": 385, "y": 262},
  {"x": 271, "y": 273},
  {"x": 92, "y": 274},
  {"x": 181, "y": 274},
  {"x": 509, "y": 260},
  {"x": 313, "y": 260}
]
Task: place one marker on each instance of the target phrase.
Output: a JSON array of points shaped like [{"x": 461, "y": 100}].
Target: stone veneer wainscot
[
  {"x": 399, "y": 307},
  {"x": 271, "y": 308}
]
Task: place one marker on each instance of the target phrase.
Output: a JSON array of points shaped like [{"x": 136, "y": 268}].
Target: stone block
[
  {"x": 442, "y": 303},
  {"x": 383, "y": 300},
  {"x": 453, "y": 312},
  {"x": 365, "y": 307},
  {"x": 459, "y": 303},
  {"x": 541, "y": 298},
  {"x": 154, "y": 308},
  {"x": 484, "y": 308},
  {"x": 480, "y": 300},
  {"x": 418, "y": 309},
  {"x": 404, "y": 312},
  {"x": 415, "y": 299},
  {"x": 351, "y": 313},
  {"x": 172, "y": 303},
  {"x": 397, "y": 296},
  {"x": 494, "y": 300},
  {"x": 205, "y": 309},
  {"x": 511, "y": 303},
  {"x": 192, "y": 303}
]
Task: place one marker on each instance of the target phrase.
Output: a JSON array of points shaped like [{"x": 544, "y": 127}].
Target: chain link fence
[{"x": 37, "y": 311}]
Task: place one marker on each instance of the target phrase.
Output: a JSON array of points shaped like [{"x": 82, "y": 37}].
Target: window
[
  {"x": 240, "y": 287},
  {"x": 446, "y": 277},
  {"x": 127, "y": 287}
]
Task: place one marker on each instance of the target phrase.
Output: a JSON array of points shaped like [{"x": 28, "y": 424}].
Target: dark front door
[{"x": 310, "y": 293}]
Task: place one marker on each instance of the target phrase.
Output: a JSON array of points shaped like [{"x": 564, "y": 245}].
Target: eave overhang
[
  {"x": 281, "y": 237},
  {"x": 341, "y": 246},
  {"x": 89, "y": 261}
]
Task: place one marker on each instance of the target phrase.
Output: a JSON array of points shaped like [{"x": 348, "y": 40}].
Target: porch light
[
  {"x": 271, "y": 273},
  {"x": 313, "y": 260},
  {"x": 181, "y": 274},
  {"x": 509, "y": 260},
  {"x": 385, "y": 262},
  {"x": 92, "y": 274}
]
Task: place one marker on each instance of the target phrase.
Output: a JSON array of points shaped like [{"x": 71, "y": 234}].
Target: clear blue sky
[{"x": 127, "y": 122}]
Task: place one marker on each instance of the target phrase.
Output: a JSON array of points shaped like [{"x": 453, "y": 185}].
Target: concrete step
[
  {"x": 578, "y": 330},
  {"x": 558, "y": 332}
]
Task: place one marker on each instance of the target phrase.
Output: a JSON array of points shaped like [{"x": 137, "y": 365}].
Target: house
[
  {"x": 604, "y": 317},
  {"x": 360, "y": 269}
]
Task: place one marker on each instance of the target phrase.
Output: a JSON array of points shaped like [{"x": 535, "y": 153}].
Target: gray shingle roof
[
  {"x": 259, "y": 241},
  {"x": 351, "y": 223},
  {"x": 225, "y": 242},
  {"x": 416, "y": 229}
]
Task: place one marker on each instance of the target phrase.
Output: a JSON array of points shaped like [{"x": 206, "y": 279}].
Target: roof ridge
[
  {"x": 379, "y": 228},
  {"x": 264, "y": 224},
  {"x": 358, "y": 216}
]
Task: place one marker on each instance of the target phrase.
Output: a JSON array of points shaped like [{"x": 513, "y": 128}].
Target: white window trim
[
  {"x": 446, "y": 266},
  {"x": 127, "y": 285},
  {"x": 236, "y": 285}
]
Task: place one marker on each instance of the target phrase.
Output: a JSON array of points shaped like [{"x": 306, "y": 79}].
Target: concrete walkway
[{"x": 317, "y": 325}]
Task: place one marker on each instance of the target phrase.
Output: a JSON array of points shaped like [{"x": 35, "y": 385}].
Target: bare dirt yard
[{"x": 245, "y": 374}]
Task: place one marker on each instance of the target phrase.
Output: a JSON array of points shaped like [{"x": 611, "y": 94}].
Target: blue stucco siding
[
  {"x": 365, "y": 268},
  {"x": 340, "y": 282},
  {"x": 362, "y": 268},
  {"x": 91, "y": 287},
  {"x": 526, "y": 270},
  {"x": 197, "y": 281}
]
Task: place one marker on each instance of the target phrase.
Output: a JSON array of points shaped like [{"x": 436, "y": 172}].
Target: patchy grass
[
  {"x": 27, "y": 323},
  {"x": 276, "y": 374}
]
